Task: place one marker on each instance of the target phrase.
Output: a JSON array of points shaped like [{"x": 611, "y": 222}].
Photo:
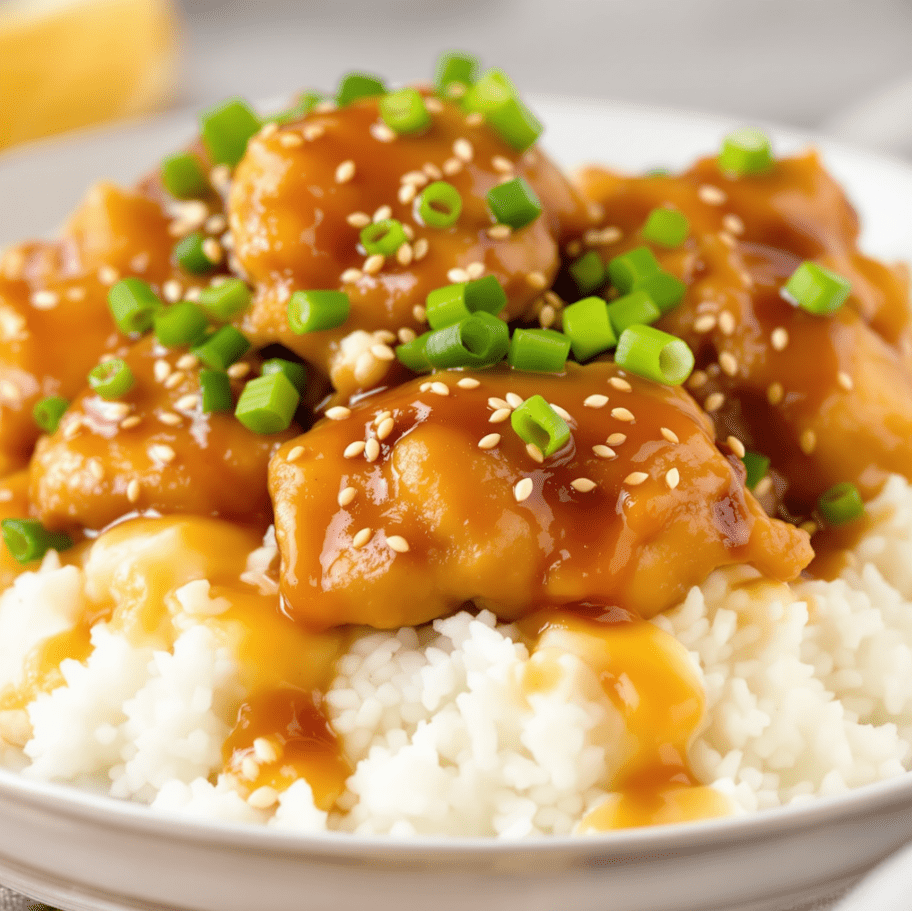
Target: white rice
[{"x": 807, "y": 689}]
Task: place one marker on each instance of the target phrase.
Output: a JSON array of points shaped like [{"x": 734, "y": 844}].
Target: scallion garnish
[
  {"x": 384, "y": 237},
  {"x": 268, "y": 404},
  {"x": 28, "y": 539},
  {"x": 477, "y": 341},
  {"x": 215, "y": 387},
  {"x": 305, "y": 103},
  {"x": 539, "y": 350},
  {"x": 353, "y": 86},
  {"x": 455, "y": 73},
  {"x": 494, "y": 96},
  {"x": 816, "y": 289},
  {"x": 223, "y": 348},
  {"x": 312, "y": 311},
  {"x": 453, "y": 303},
  {"x": 48, "y": 412},
  {"x": 665, "y": 290},
  {"x": 439, "y": 204},
  {"x": 655, "y": 355},
  {"x": 296, "y": 373},
  {"x": 514, "y": 203},
  {"x": 404, "y": 111},
  {"x": 190, "y": 255},
  {"x": 223, "y": 302},
  {"x": 667, "y": 227},
  {"x": 227, "y": 128},
  {"x": 840, "y": 504},
  {"x": 536, "y": 422},
  {"x": 413, "y": 354},
  {"x": 133, "y": 304},
  {"x": 182, "y": 176},
  {"x": 757, "y": 466},
  {"x": 745, "y": 151},
  {"x": 588, "y": 272},
  {"x": 111, "y": 379},
  {"x": 183, "y": 323},
  {"x": 587, "y": 326},
  {"x": 634, "y": 309},
  {"x": 629, "y": 269}
]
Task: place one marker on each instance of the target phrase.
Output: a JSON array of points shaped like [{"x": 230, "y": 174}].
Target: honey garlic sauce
[
  {"x": 302, "y": 194},
  {"x": 828, "y": 398},
  {"x": 152, "y": 449},
  {"x": 657, "y": 699},
  {"x": 425, "y": 498}
]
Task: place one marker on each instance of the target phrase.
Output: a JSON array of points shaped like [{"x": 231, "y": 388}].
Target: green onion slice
[
  {"x": 215, "y": 387},
  {"x": 48, "y": 412},
  {"x": 667, "y": 227},
  {"x": 133, "y": 304},
  {"x": 353, "y": 86},
  {"x": 439, "y": 205},
  {"x": 629, "y": 269},
  {"x": 312, "y": 311},
  {"x": 816, "y": 289},
  {"x": 514, "y": 203},
  {"x": 745, "y": 151},
  {"x": 404, "y": 111},
  {"x": 536, "y": 422},
  {"x": 384, "y": 237},
  {"x": 840, "y": 504},
  {"x": 305, "y": 103},
  {"x": 655, "y": 355},
  {"x": 190, "y": 255},
  {"x": 634, "y": 309},
  {"x": 183, "y": 323},
  {"x": 665, "y": 290},
  {"x": 227, "y": 128},
  {"x": 28, "y": 539},
  {"x": 455, "y": 73},
  {"x": 539, "y": 350},
  {"x": 587, "y": 326},
  {"x": 757, "y": 466},
  {"x": 223, "y": 348},
  {"x": 453, "y": 303},
  {"x": 268, "y": 404},
  {"x": 588, "y": 272},
  {"x": 111, "y": 379},
  {"x": 495, "y": 96},
  {"x": 479, "y": 340},
  {"x": 413, "y": 354},
  {"x": 295, "y": 373},
  {"x": 183, "y": 177},
  {"x": 223, "y": 302}
]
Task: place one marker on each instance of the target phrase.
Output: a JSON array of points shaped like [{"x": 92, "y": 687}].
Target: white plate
[{"x": 93, "y": 854}]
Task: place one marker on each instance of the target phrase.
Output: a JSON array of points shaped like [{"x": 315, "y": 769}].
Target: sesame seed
[
  {"x": 547, "y": 316},
  {"x": 374, "y": 263},
  {"x": 729, "y": 363},
  {"x": 733, "y": 223},
  {"x": 407, "y": 193},
  {"x": 398, "y": 544},
  {"x": 10, "y": 391},
  {"x": 371, "y": 450},
  {"x": 598, "y": 401},
  {"x": 406, "y": 335},
  {"x": 523, "y": 490},
  {"x": 294, "y": 453},
  {"x": 382, "y": 416},
  {"x": 172, "y": 290},
  {"x": 175, "y": 379},
  {"x": 265, "y": 750},
  {"x": 291, "y": 140},
  {"x": 313, "y": 131},
  {"x": 537, "y": 280},
  {"x": 383, "y": 352},
  {"x": 414, "y": 177},
  {"x": 583, "y": 485},
  {"x": 159, "y": 452},
  {"x": 108, "y": 275},
  {"x": 714, "y": 402},
  {"x": 779, "y": 338},
  {"x": 385, "y": 428},
  {"x": 475, "y": 270},
  {"x": 711, "y": 195},
  {"x": 845, "y": 381},
  {"x": 432, "y": 170},
  {"x": 697, "y": 379},
  {"x": 596, "y": 211},
  {"x": 353, "y": 450},
  {"x": 775, "y": 393},
  {"x": 352, "y": 275},
  {"x": 561, "y": 411},
  {"x": 45, "y": 300},
  {"x": 216, "y": 224},
  {"x": 452, "y": 166},
  {"x": 420, "y": 248},
  {"x": 239, "y": 370},
  {"x": 535, "y": 453},
  {"x": 358, "y": 219},
  {"x": 250, "y": 768},
  {"x": 346, "y": 495},
  {"x": 439, "y": 388},
  {"x": 670, "y": 435},
  {"x": 133, "y": 491},
  {"x": 622, "y": 414},
  {"x": 362, "y": 537},
  {"x": 636, "y": 478},
  {"x": 382, "y": 213},
  {"x": 72, "y": 428},
  {"x": 504, "y": 165},
  {"x": 76, "y": 294},
  {"x": 490, "y": 441},
  {"x": 499, "y": 232},
  {"x": 468, "y": 382},
  {"x": 476, "y": 118},
  {"x": 96, "y": 469},
  {"x": 220, "y": 177},
  {"x": 808, "y": 442},
  {"x": 170, "y": 418},
  {"x": 726, "y": 322},
  {"x": 672, "y": 478},
  {"x": 604, "y": 452},
  {"x": 462, "y": 148},
  {"x": 705, "y": 323},
  {"x": 736, "y": 446},
  {"x": 213, "y": 250},
  {"x": 130, "y": 422},
  {"x": 115, "y": 411},
  {"x": 457, "y": 276},
  {"x": 727, "y": 239},
  {"x": 514, "y": 400},
  {"x": 433, "y": 105},
  {"x": 382, "y": 132},
  {"x": 345, "y": 172},
  {"x": 495, "y": 403},
  {"x": 188, "y": 362},
  {"x": 764, "y": 486},
  {"x": 620, "y": 383},
  {"x": 499, "y": 416}
]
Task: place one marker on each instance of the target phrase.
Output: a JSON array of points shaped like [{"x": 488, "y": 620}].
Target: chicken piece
[
  {"x": 303, "y": 192},
  {"x": 827, "y": 398},
  {"x": 152, "y": 449},
  {"x": 445, "y": 504}
]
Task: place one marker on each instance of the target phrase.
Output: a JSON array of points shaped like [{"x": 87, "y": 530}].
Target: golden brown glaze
[
  {"x": 152, "y": 449},
  {"x": 829, "y": 399},
  {"x": 635, "y": 541},
  {"x": 290, "y": 208}
]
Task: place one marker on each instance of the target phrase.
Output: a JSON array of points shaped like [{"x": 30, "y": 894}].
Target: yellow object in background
[{"x": 69, "y": 63}]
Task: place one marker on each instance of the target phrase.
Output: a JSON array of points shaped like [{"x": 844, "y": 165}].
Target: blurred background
[{"x": 839, "y": 66}]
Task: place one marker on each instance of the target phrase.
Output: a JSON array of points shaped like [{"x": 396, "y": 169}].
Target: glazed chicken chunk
[{"x": 424, "y": 498}]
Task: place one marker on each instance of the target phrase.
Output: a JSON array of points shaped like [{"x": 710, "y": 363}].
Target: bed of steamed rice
[{"x": 807, "y": 690}]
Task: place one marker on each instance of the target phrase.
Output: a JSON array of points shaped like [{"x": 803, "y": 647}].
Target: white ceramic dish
[{"x": 84, "y": 853}]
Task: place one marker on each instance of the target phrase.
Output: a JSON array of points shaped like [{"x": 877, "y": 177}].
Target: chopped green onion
[
  {"x": 190, "y": 255},
  {"x": 305, "y": 103},
  {"x": 183, "y": 323},
  {"x": 224, "y": 301},
  {"x": 353, "y": 86},
  {"x": 536, "y": 422},
  {"x": 439, "y": 204},
  {"x": 667, "y": 227},
  {"x": 494, "y": 96},
  {"x": 296, "y": 373},
  {"x": 215, "y": 387},
  {"x": 182, "y": 176},
  {"x": 28, "y": 539},
  {"x": 840, "y": 504},
  {"x": 453, "y": 303},
  {"x": 223, "y": 348},
  {"x": 485, "y": 294},
  {"x": 479, "y": 340},
  {"x": 133, "y": 304},
  {"x": 629, "y": 269},
  {"x": 514, "y": 203},
  {"x": 634, "y": 309},
  {"x": 268, "y": 404},
  {"x": 817, "y": 290},
  {"x": 455, "y": 73},
  {"x": 655, "y": 355},
  {"x": 227, "y": 128},
  {"x": 539, "y": 350},
  {"x": 757, "y": 466},
  {"x": 111, "y": 379},
  {"x": 404, "y": 111},
  {"x": 312, "y": 311},
  {"x": 413, "y": 355},
  {"x": 48, "y": 412},
  {"x": 384, "y": 237},
  {"x": 665, "y": 290},
  {"x": 657, "y": 172},
  {"x": 587, "y": 326},
  {"x": 746, "y": 151},
  {"x": 588, "y": 272}
]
